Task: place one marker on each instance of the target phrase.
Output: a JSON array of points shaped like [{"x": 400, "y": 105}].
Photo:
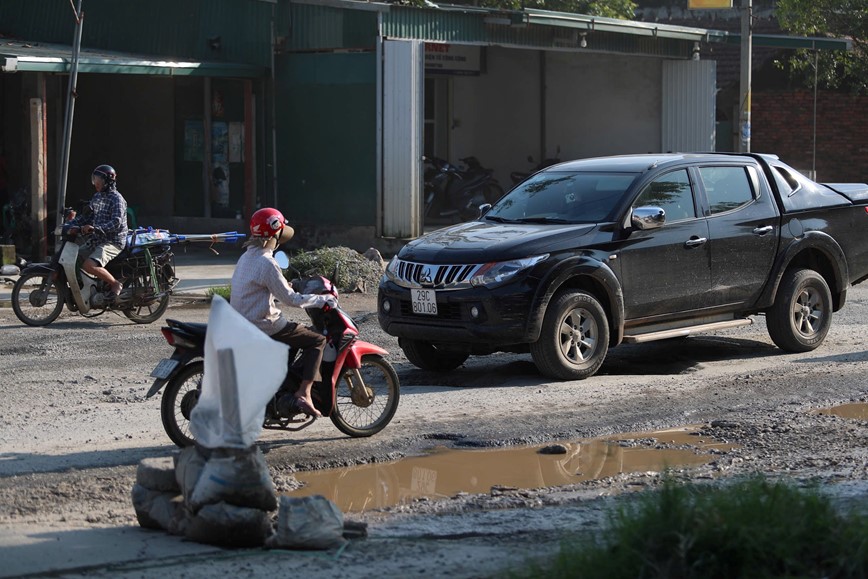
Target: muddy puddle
[
  {"x": 446, "y": 472},
  {"x": 853, "y": 411}
]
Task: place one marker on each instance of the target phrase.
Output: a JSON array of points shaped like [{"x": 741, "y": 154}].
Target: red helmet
[{"x": 269, "y": 222}]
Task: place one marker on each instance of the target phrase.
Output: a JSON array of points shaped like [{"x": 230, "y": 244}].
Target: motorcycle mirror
[{"x": 282, "y": 259}]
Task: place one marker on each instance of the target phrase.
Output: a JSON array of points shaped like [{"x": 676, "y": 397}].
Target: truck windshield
[{"x": 560, "y": 197}]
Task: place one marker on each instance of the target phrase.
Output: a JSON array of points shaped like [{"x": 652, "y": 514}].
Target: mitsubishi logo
[{"x": 425, "y": 276}]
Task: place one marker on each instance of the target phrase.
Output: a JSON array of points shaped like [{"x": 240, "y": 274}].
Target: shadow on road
[
  {"x": 18, "y": 463},
  {"x": 669, "y": 357}
]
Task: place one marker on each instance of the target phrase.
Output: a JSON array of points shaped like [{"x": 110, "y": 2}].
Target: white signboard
[{"x": 452, "y": 59}]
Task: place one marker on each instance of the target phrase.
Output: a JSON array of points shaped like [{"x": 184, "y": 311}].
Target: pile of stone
[{"x": 226, "y": 497}]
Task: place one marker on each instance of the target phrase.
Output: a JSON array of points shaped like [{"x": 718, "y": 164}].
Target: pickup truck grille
[{"x": 411, "y": 274}]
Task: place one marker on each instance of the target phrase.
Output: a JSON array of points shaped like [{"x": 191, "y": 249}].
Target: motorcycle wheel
[
  {"x": 150, "y": 310},
  {"x": 363, "y": 409},
  {"x": 179, "y": 398},
  {"x": 39, "y": 305}
]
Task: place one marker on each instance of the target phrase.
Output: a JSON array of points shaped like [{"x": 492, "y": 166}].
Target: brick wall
[{"x": 782, "y": 123}]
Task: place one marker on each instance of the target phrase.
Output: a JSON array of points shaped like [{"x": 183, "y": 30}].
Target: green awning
[{"x": 23, "y": 56}]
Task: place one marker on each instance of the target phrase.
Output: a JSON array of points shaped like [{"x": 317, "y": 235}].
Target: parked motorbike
[
  {"x": 15, "y": 226},
  {"x": 519, "y": 176},
  {"x": 145, "y": 268},
  {"x": 457, "y": 193},
  {"x": 359, "y": 391}
]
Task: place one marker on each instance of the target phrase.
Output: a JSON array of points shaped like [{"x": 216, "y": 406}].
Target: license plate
[
  {"x": 424, "y": 301},
  {"x": 164, "y": 368}
]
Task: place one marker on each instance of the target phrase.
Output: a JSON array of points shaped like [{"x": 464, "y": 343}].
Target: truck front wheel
[
  {"x": 800, "y": 318},
  {"x": 574, "y": 339}
]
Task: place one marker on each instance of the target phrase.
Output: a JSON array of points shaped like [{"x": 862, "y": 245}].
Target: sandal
[{"x": 307, "y": 407}]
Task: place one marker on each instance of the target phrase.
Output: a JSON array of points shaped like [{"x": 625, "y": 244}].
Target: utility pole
[
  {"x": 70, "y": 108},
  {"x": 744, "y": 98}
]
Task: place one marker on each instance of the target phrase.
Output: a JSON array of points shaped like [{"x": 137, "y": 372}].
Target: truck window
[
  {"x": 727, "y": 188},
  {"x": 787, "y": 184},
  {"x": 562, "y": 196},
  {"x": 672, "y": 193}
]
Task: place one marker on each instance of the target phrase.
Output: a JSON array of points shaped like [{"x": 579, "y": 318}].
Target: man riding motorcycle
[{"x": 106, "y": 222}]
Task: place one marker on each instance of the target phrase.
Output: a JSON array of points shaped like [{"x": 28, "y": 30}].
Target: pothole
[
  {"x": 444, "y": 472},
  {"x": 854, "y": 411}
]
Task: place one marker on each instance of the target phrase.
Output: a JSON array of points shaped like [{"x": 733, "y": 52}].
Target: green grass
[
  {"x": 752, "y": 528},
  {"x": 223, "y": 291}
]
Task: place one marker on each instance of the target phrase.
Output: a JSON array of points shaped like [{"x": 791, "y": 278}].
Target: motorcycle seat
[{"x": 193, "y": 328}]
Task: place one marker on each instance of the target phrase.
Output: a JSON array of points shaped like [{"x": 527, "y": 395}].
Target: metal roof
[
  {"x": 632, "y": 27},
  {"x": 24, "y": 56},
  {"x": 781, "y": 41}
]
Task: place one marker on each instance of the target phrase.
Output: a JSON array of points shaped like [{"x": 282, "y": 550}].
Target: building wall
[
  {"x": 603, "y": 104},
  {"x": 782, "y": 124},
  {"x": 125, "y": 121},
  {"x": 595, "y": 105},
  {"x": 496, "y": 116},
  {"x": 174, "y": 28},
  {"x": 326, "y": 137}
]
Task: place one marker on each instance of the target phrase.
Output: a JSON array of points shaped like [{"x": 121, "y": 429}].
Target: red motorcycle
[{"x": 359, "y": 391}]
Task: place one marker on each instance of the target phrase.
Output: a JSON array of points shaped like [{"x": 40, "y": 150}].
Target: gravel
[{"x": 74, "y": 424}]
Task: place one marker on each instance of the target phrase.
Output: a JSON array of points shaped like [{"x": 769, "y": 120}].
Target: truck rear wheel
[
  {"x": 574, "y": 339},
  {"x": 427, "y": 356},
  {"x": 800, "y": 318}
]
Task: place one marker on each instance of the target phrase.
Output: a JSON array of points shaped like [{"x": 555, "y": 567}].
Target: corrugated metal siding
[
  {"x": 687, "y": 120},
  {"x": 182, "y": 28},
  {"x": 171, "y": 28},
  {"x": 402, "y": 138},
  {"x": 312, "y": 27},
  {"x": 326, "y": 137},
  {"x": 470, "y": 28}
]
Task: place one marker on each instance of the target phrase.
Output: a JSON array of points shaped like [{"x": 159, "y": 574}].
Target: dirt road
[{"x": 74, "y": 423}]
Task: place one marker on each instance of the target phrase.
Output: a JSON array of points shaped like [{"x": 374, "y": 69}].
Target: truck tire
[
  {"x": 801, "y": 315},
  {"x": 427, "y": 356},
  {"x": 574, "y": 339}
]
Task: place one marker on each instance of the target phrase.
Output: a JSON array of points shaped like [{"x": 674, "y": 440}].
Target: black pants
[{"x": 311, "y": 343}]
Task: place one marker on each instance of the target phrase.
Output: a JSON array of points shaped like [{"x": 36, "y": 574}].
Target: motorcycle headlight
[{"x": 499, "y": 272}]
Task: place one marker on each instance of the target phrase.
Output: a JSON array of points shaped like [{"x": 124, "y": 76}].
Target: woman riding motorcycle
[{"x": 258, "y": 280}]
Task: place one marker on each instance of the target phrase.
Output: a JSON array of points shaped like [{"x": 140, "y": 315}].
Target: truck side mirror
[{"x": 648, "y": 217}]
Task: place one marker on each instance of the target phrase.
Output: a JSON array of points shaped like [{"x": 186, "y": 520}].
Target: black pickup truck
[{"x": 587, "y": 254}]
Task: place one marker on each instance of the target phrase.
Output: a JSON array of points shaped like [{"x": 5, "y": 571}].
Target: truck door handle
[
  {"x": 763, "y": 230},
  {"x": 695, "y": 241}
]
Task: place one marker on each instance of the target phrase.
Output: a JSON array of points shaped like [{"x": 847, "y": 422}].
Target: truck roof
[{"x": 639, "y": 163}]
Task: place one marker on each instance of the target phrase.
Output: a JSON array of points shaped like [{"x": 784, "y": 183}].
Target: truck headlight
[
  {"x": 391, "y": 271},
  {"x": 499, "y": 272}
]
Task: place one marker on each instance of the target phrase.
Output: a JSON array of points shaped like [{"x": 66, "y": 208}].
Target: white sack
[
  {"x": 240, "y": 478},
  {"x": 308, "y": 523},
  {"x": 231, "y": 408}
]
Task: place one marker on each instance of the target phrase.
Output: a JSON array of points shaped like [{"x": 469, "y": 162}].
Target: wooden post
[
  {"x": 249, "y": 158},
  {"x": 229, "y": 402},
  {"x": 38, "y": 201},
  {"x": 206, "y": 157}
]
